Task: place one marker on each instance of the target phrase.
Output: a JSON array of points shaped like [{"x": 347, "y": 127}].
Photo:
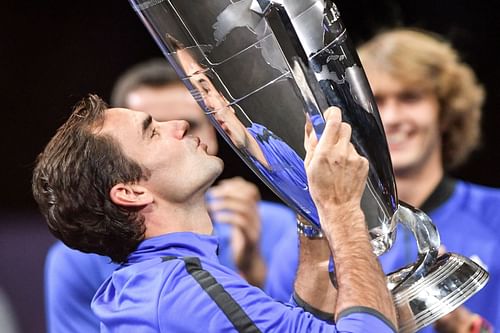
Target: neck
[
  {"x": 416, "y": 185},
  {"x": 165, "y": 217}
]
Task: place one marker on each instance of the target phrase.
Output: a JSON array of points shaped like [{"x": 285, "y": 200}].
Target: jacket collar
[{"x": 178, "y": 244}]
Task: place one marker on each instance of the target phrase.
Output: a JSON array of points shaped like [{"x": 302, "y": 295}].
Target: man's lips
[
  {"x": 204, "y": 147},
  {"x": 200, "y": 144},
  {"x": 196, "y": 140}
]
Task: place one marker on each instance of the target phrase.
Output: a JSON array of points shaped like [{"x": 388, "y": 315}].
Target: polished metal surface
[
  {"x": 261, "y": 69},
  {"x": 448, "y": 281}
]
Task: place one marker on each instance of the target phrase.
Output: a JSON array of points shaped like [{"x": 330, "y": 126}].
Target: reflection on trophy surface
[
  {"x": 261, "y": 69},
  {"x": 270, "y": 155}
]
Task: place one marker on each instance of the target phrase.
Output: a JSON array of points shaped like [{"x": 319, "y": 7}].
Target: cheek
[
  {"x": 162, "y": 157},
  {"x": 428, "y": 116}
]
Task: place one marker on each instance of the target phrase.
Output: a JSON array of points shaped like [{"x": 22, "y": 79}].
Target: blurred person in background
[{"x": 430, "y": 103}]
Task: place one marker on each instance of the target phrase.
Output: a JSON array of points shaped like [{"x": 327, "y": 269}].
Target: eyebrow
[{"x": 146, "y": 123}]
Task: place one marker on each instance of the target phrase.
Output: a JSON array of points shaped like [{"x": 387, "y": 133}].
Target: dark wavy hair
[
  {"x": 72, "y": 180},
  {"x": 426, "y": 60}
]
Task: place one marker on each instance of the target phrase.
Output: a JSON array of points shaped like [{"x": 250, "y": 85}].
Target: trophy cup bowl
[{"x": 260, "y": 69}]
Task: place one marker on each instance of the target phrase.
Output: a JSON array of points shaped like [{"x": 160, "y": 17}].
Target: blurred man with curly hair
[{"x": 430, "y": 104}]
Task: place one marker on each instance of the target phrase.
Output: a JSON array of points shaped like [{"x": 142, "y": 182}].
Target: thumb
[{"x": 310, "y": 142}]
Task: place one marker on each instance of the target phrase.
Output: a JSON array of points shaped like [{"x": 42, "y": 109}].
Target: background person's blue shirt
[{"x": 71, "y": 280}]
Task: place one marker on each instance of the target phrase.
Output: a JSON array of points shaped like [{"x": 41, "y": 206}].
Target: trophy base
[{"x": 449, "y": 282}]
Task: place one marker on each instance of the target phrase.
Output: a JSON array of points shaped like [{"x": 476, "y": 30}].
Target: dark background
[{"x": 54, "y": 52}]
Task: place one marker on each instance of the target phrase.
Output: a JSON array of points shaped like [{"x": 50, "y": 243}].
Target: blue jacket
[
  {"x": 73, "y": 277},
  {"x": 149, "y": 294}
]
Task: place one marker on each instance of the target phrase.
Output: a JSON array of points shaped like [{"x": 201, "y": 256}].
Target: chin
[
  {"x": 404, "y": 168},
  {"x": 218, "y": 165}
]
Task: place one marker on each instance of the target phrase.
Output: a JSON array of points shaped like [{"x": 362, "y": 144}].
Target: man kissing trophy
[{"x": 261, "y": 69}]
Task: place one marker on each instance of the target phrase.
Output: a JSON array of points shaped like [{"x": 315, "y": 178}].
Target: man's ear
[{"x": 130, "y": 195}]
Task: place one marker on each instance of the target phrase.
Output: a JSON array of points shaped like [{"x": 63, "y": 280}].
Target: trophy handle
[{"x": 427, "y": 239}]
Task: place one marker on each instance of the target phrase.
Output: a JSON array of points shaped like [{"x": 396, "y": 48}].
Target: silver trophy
[{"x": 261, "y": 69}]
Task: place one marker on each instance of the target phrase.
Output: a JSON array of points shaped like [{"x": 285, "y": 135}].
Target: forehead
[
  {"x": 380, "y": 80},
  {"x": 383, "y": 83},
  {"x": 188, "y": 62},
  {"x": 123, "y": 123},
  {"x": 171, "y": 102}
]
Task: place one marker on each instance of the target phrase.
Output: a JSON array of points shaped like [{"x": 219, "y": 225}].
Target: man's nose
[{"x": 179, "y": 128}]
